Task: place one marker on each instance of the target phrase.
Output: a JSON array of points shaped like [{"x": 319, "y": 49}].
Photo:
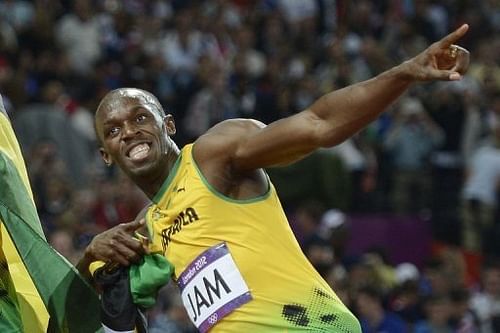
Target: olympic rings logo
[{"x": 213, "y": 318}]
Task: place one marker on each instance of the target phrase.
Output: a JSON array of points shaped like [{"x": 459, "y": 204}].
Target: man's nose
[{"x": 129, "y": 130}]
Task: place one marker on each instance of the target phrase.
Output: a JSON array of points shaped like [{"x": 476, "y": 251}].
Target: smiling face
[{"x": 135, "y": 134}]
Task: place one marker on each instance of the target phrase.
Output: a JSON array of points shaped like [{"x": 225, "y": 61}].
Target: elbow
[
  {"x": 321, "y": 133},
  {"x": 328, "y": 132}
]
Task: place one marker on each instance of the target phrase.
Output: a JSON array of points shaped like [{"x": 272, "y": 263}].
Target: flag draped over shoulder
[{"x": 35, "y": 281}]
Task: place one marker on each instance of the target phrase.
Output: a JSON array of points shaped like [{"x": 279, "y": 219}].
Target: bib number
[{"x": 212, "y": 287}]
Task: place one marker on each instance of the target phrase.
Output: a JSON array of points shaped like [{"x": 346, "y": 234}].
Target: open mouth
[{"x": 139, "y": 152}]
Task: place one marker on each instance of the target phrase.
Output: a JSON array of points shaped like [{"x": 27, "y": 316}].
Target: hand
[
  {"x": 443, "y": 60},
  {"x": 118, "y": 245}
]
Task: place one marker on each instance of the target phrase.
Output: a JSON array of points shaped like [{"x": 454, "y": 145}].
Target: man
[
  {"x": 373, "y": 316},
  {"x": 216, "y": 216}
]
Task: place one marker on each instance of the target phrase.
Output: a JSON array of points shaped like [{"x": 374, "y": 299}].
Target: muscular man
[{"x": 216, "y": 216}]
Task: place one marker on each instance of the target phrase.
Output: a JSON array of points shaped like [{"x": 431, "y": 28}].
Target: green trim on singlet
[
  {"x": 156, "y": 199},
  {"x": 226, "y": 198}
]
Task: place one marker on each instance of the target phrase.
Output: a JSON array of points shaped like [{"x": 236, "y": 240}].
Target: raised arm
[{"x": 337, "y": 115}]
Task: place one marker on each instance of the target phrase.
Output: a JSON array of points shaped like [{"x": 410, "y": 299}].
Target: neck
[{"x": 152, "y": 185}]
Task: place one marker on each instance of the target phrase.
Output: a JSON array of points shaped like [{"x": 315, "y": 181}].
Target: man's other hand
[{"x": 118, "y": 245}]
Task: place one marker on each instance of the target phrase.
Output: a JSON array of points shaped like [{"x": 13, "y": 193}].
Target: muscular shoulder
[
  {"x": 215, "y": 152},
  {"x": 221, "y": 141},
  {"x": 233, "y": 128}
]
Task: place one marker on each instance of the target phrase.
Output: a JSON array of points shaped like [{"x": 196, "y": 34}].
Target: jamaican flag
[{"x": 36, "y": 283}]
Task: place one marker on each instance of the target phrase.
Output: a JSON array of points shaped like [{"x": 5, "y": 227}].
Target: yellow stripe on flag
[{"x": 34, "y": 315}]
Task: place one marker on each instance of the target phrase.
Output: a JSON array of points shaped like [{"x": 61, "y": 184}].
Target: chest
[{"x": 176, "y": 218}]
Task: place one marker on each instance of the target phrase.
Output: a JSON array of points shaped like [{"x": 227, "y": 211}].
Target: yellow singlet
[{"x": 237, "y": 262}]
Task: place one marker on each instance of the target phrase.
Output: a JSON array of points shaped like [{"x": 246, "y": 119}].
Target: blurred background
[{"x": 402, "y": 219}]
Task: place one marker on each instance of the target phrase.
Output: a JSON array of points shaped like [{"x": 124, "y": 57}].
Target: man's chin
[{"x": 137, "y": 171}]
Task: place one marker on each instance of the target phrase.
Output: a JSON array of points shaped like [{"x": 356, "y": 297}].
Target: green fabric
[
  {"x": 148, "y": 277},
  {"x": 10, "y": 318},
  {"x": 72, "y": 304}
]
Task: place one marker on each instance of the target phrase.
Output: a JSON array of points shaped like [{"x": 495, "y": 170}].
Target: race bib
[{"x": 212, "y": 287}]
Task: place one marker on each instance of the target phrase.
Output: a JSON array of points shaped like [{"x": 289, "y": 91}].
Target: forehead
[{"x": 121, "y": 102}]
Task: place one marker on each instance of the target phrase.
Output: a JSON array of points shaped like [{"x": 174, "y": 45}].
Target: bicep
[{"x": 250, "y": 145}]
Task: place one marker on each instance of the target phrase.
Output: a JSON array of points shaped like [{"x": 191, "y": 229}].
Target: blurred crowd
[{"x": 434, "y": 155}]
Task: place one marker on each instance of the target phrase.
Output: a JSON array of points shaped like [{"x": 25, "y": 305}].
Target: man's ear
[
  {"x": 105, "y": 156},
  {"x": 168, "y": 120}
]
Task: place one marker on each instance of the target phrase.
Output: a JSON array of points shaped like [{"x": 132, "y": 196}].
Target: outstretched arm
[
  {"x": 348, "y": 110},
  {"x": 335, "y": 116}
]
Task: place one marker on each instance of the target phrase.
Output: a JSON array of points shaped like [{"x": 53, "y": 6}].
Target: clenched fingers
[
  {"x": 118, "y": 245},
  {"x": 462, "y": 57}
]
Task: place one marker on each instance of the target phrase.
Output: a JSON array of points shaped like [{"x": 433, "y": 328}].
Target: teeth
[{"x": 139, "y": 151}]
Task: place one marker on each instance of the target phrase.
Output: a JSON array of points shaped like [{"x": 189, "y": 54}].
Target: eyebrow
[{"x": 131, "y": 111}]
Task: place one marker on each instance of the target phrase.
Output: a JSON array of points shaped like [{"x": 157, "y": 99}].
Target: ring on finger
[{"x": 453, "y": 50}]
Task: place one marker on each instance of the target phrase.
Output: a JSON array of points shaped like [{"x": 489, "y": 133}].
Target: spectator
[
  {"x": 373, "y": 317},
  {"x": 437, "y": 315},
  {"x": 486, "y": 302},
  {"x": 78, "y": 33},
  {"x": 480, "y": 196},
  {"x": 18, "y": 13},
  {"x": 211, "y": 104},
  {"x": 320, "y": 254},
  {"x": 255, "y": 61},
  {"x": 335, "y": 228},
  {"x": 183, "y": 46},
  {"x": 410, "y": 141},
  {"x": 110, "y": 209},
  {"x": 462, "y": 317},
  {"x": 435, "y": 279},
  {"x": 47, "y": 122},
  {"x": 172, "y": 317},
  {"x": 406, "y": 302},
  {"x": 62, "y": 241},
  {"x": 305, "y": 220}
]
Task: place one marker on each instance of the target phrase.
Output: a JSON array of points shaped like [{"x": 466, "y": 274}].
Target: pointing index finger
[
  {"x": 454, "y": 36},
  {"x": 134, "y": 225}
]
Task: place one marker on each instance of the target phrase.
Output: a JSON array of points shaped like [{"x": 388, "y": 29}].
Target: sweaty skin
[{"x": 135, "y": 133}]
